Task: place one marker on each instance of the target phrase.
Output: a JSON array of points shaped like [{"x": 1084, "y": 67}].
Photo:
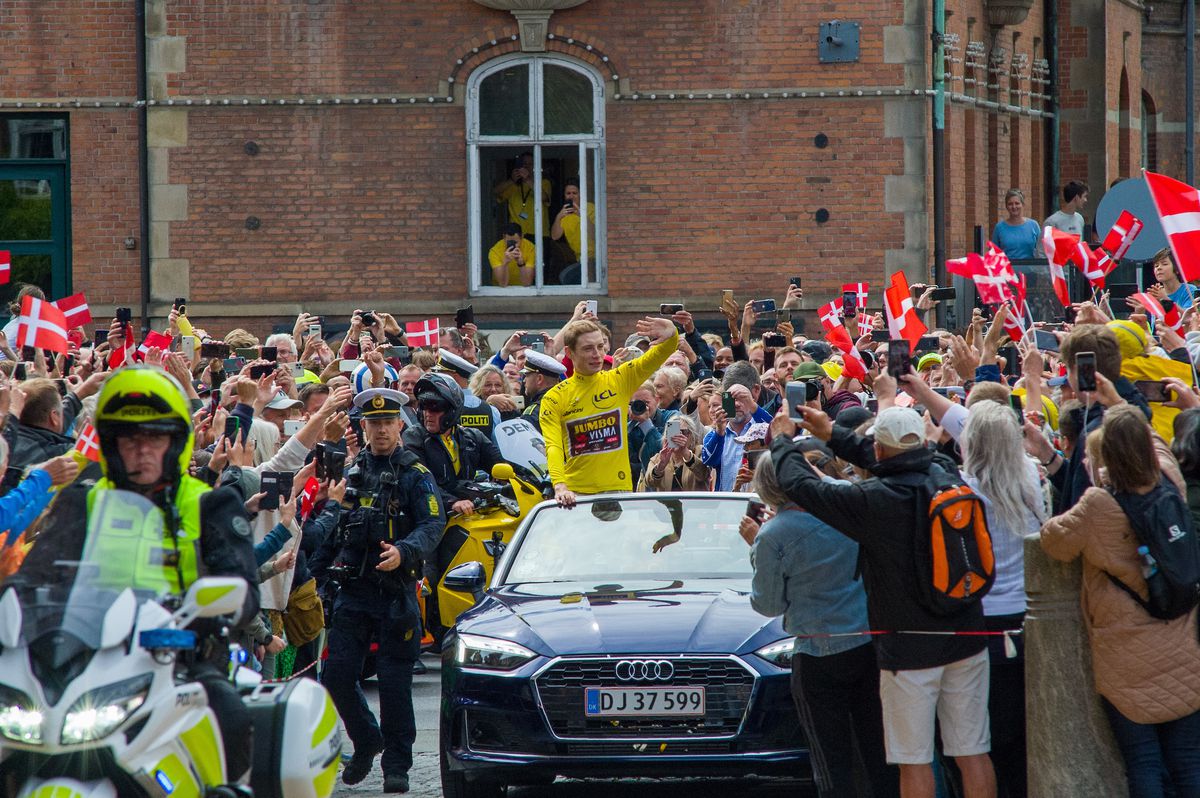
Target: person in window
[
  {"x": 1019, "y": 237},
  {"x": 517, "y": 193},
  {"x": 567, "y": 224},
  {"x": 513, "y": 258}
]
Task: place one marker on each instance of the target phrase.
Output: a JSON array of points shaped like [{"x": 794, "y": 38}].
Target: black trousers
[
  {"x": 837, "y": 697},
  {"x": 235, "y": 721},
  {"x": 1006, "y": 707}
]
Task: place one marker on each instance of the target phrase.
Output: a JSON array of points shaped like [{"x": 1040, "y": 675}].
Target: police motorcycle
[
  {"x": 516, "y": 486},
  {"x": 94, "y": 697}
]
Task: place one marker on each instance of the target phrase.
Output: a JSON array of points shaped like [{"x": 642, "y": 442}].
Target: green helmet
[{"x": 143, "y": 399}]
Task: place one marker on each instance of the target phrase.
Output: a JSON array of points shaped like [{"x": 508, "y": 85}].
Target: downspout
[
  {"x": 1189, "y": 79},
  {"x": 939, "y": 150},
  {"x": 143, "y": 160},
  {"x": 1050, "y": 15}
]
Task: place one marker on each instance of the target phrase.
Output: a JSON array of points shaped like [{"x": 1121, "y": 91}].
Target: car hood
[{"x": 644, "y": 616}]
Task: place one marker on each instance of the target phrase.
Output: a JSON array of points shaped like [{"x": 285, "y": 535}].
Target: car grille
[
  {"x": 727, "y": 685},
  {"x": 649, "y": 750}
]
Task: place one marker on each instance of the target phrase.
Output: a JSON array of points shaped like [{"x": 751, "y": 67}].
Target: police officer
[
  {"x": 391, "y": 521},
  {"x": 144, "y": 426},
  {"x": 541, "y": 373},
  {"x": 453, "y": 454},
  {"x": 476, "y": 412}
]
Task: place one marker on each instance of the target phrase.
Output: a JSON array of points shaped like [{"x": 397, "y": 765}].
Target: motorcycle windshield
[
  {"x": 522, "y": 445},
  {"x": 122, "y": 548}
]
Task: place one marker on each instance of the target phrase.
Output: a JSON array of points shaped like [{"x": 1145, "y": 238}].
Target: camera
[
  {"x": 638, "y": 407},
  {"x": 368, "y": 319}
]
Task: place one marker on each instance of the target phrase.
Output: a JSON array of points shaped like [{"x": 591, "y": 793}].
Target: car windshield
[
  {"x": 659, "y": 536},
  {"x": 73, "y": 595}
]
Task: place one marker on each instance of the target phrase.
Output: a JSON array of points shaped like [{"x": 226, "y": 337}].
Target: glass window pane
[
  {"x": 25, "y": 210},
  {"x": 31, "y": 269},
  {"x": 504, "y": 102},
  {"x": 32, "y": 137},
  {"x": 568, "y": 99},
  {"x": 508, "y": 214}
]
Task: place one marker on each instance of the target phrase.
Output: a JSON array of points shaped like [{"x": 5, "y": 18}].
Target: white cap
[
  {"x": 448, "y": 361},
  {"x": 899, "y": 428},
  {"x": 283, "y": 402},
  {"x": 543, "y": 363}
]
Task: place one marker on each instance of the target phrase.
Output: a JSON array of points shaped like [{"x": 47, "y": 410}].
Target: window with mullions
[{"x": 535, "y": 144}]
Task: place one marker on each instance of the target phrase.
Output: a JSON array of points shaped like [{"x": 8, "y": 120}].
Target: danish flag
[
  {"x": 422, "y": 333},
  {"x": 75, "y": 308},
  {"x": 860, "y": 290},
  {"x": 996, "y": 262},
  {"x": 902, "y": 318},
  {"x": 122, "y": 354},
  {"x": 1094, "y": 263},
  {"x": 308, "y": 497},
  {"x": 831, "y": 314},
  {"x": 853, "y": 364},
  {"x": 87, "y": 444},
  {"x": 1173, "y": 318},
  {"x": 967, "y": 266},
  {"x": 1152, "y": 305},
  {"x": 1178, "y": 206},
  {"x": 1059, "y": 247},
  {"x": 1014, "y": 324},
  {"x": 41, "y": 325},
  {"x": 153, "y": 339},
  {"x": 5, "y": 266},
  {"x": 1121, "y": 234}
]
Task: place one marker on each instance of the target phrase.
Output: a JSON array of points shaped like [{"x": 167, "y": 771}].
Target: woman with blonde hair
[
  {"x": 677, "y": 465},
  {"x": 492, "y": 386},
  {"x": 1146, "y": 670}
]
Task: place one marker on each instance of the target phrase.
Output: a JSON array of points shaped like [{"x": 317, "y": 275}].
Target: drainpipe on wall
[
  {"x": 939, "y": 150},
  {"x": 1189, "y": 79},
  {"x": 1050, "y": 16},
  {"x": 143, "y": 160}
]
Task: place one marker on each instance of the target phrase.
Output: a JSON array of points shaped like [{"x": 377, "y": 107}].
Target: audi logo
[{"x": 645, "y": 670}]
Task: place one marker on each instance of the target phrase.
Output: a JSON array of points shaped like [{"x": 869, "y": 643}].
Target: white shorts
[{"x": 956, "y": 693}]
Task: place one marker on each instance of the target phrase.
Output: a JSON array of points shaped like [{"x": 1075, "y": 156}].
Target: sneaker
[
  {"x": 395, "y": 783},
  {"x": 361, "y": 763}
]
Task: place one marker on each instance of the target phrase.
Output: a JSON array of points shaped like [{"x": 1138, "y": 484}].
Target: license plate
[{"x": 603, "y": 702}]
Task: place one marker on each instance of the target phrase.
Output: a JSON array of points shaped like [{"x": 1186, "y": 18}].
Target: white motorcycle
[{"x": 94, "y": 702}]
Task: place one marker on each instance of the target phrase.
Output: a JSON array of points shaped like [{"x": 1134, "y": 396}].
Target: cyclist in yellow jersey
[{"x": 584, "y": 419}]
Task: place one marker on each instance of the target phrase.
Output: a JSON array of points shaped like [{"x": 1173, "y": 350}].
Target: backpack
[
  {"x": 1162, "y": 523},
  {"x": 952, "y": 547}
]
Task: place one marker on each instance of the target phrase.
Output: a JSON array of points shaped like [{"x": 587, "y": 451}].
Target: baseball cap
[
  {"x": 929, "y": 360},
  {"x": 899, "y": 428},
  {"x": 283, "y": 402},
  {"x": 755, "y": 432},
  {"x": 832, "y": 370},
  {"x": 808, "y": 371}
]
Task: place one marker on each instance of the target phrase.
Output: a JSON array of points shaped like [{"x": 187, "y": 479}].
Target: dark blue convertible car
[{"x": 617, "y": 639}]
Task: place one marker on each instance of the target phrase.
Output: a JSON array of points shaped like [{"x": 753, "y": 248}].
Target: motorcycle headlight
[
  {"x": 475, "y": 651},
  {"x": 99, "y": 712},
  {"x": 779, "y": 653},
  {"x": 20, "y": 718}
]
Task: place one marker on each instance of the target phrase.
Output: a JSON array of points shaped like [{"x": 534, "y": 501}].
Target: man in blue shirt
[{"x": 721, "y": 451}]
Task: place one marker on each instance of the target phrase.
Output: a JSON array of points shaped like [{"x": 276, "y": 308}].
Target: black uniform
[
  {"x": 476, "y": 451},
  {"x": 390, "y": 498},
  {"x": 533, "y": 410}
]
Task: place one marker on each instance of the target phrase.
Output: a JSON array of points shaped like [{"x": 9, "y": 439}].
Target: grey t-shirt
[{"x": 1067, "y": 222}]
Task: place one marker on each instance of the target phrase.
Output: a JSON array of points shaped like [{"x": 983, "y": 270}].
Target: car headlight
[
  {"x": 779, "y": 653},
  {"x": 98, "y": 712},
  {"x": 20, "y": 717},
  {"x": 475, "y": 651}
]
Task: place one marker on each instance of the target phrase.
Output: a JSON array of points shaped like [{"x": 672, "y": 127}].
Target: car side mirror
[
  {"x": 211, "y": 597},
  {"x": 502, "y": 472},
  {"x": 469, "y": 577}
]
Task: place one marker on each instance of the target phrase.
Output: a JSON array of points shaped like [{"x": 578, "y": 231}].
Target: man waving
[{"x": 584, "y": 418}]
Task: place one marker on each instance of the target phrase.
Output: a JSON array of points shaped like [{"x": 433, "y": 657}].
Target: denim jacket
[{"x": 804, "y": 571}]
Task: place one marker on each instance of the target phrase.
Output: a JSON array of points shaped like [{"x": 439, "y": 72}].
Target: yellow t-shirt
[
  {"x": 520, "y": 201},
  {"x": 570, "y": 225},
  {"x": 496, "y": 258},
  {"x": 584, "y": 421}
]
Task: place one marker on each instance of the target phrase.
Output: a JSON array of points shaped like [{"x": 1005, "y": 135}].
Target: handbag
[{"x": 304, "y": 616}]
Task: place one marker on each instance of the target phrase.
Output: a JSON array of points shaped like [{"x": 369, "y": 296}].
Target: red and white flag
[
  {"x": 831, "y": 314},
  {"x": 967, "y": 266},
  {"x": 853, "y": 365},
  {"x": 865, "y": 321},
  {"x": 997, "y": 262},
  {"x": 1173, "y": 318},
  {"x": 1014, "y": 324},
  {"x": 87, "y": 444},
  {"x": 121, "y": 355},
  {"x": 5, "y": 266},
  {"x": 902, "y": 318},
  {"x": 75, "y": 308},
  {"x": 422, "y": 333},
  {"x": 1094, "y": 263},
  {"x": 1121, "y": 234},
  {"x": 1059, "y": 247},
  {"x": 308, "y": 497},
  {"x": 153, "y": 339},
  {"x": 1152, "y": 305},
  {"x": 1178, "y": 207},
  {"x": 41, "y": 325},
  {"x": 860, "y": 290}
]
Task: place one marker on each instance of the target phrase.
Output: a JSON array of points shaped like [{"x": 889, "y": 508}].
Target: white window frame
[{"x": 594, "y": 275}]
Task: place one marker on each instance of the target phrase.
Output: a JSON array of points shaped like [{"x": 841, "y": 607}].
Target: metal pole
[
  {"x": 1189, "y": 79},
  {"x": 143, "y": 159},
  {"x": 939, "y": 150}
]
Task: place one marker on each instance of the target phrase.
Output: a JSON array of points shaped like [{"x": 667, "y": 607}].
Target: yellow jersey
[{"x": 585, "y": 420}]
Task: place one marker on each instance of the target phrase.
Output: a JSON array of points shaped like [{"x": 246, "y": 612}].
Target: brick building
[{"x": 326, "y": 154}]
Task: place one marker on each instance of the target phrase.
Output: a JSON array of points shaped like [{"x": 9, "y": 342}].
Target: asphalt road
[{"x": 426, "y": 781}]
